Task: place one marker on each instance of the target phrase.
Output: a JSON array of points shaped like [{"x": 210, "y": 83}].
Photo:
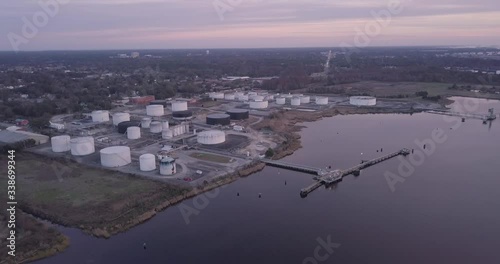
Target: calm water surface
[{"x": 447, "y": 211}]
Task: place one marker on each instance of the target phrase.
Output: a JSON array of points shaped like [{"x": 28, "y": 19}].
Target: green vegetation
[
  {"x": 210, "y": 157},
  {"x": 269, "y": 153}
]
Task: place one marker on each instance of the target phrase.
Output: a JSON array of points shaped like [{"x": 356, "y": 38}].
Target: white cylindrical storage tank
[
  {"x": 82, "y": 146},
  {"x": 100, "y": 116},
  {"x": 146, "y": 122},
  {"x": 229, "y": 96},
  {"x": 155, "y": 127},
  {"x": 147, "y": 162},
  {"x": 270, "y": 97},
  {"x": 257, "y": 97},
  {"x": 164, "y": 125},
  {"x": 211, "y": 137},
  {"x": 167, "y": 134},
  {"x": 120, "y": 117},
  {"x": 178, "y": 106},
  {"x": 237, "y": 95},
  {"x": 320, "y": 100},
  {"x": 295, "y": 101},
  {"x": 259, "y": 104},
  {"x": 363, "y": 100},
  {"x": 217, "y": 95},
  {"x": 155, "y": 110},
  {"x": 167, "y": 166},
  {"x": 305, "y": 99},
  {"x": 116, "y": 156},
  {"x": 60, "y": 143},
  {"x": 133, "y": 132},
  {"x": 281, "y": 100}
]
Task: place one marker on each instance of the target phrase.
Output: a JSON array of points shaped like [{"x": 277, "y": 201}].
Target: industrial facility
[
  {"x": 363, "y": 100},
  {"x": 218, "y": 119},
  {"x": 238, "y": 114}
]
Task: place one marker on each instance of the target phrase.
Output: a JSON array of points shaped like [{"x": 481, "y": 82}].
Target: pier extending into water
[
  {"x": 488, "y": 117},
  {"x": 328, "y": 176}
]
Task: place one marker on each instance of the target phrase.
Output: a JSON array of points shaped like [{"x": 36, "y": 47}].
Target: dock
[
  {"x": 328, "y": 176},
  {"x": 488, "y": 117}
]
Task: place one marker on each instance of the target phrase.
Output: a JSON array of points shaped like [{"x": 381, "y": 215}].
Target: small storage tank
[
  {"x": 229, "y": 96},
  {"x": 259, "y": 104},
  {"x": 82, "y": 146},
  {"x": 178, "y": 106},
  {"x": 134, "y": 132},
  {"x": 155, "y": 110},
  {"x": 182, "y": 115},
  {"x": 281, "y": 100},
  {"x": 156, "y": 127},
  {"x": 296, "y": 101},
  {"x": 116, "y": 156},
  {"x": 305, "y": 99},
  {"x": 238, "y": 114},
  {"x": 167, "y": 134},
  {"x": 321, "y": 100},
  {"x": 167, "y": 166},
  {"x": 146, "y": 122},
  {"x": 60, "y": 143},
  {"x": 243, "y": 97},
  {"x": 147, "y": 162},
  {"x": 123, "y": 126},
  {"x": 218, "y": 119},
  {"x": 120, "y": 117},
  {"x": 164, "y": 125},
  {"x": 211, "y": 137},
  {"x": 100, "y": 116}
]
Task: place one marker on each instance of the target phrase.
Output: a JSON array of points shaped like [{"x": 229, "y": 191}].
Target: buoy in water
[
  {"x": 144, "y": 245},
  {"x": 237, "y": 194},
  {"x": 260, "y": 195}
]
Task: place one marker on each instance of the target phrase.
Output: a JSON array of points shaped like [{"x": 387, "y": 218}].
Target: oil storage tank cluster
[
  {"x": 363, "y": 100},
  {"x": 123, "y": 126},
  {"x": 321, "y": 100},
  {"x": 175, "y": 130},
  {"x": 116, "y": 156},
  {"x": 211, "y": 137},
  {"x": 182, "y": 115},
  {"x": 147, "y": 162},
  {"x": 238, "y": 114},
  {"x": 82, "y": 146},
  {"x": 133, "y": 132},
  {"x": 155, "y": 110},
  {"x": 178, "y": 106},
  {"x": 218, "y": 119},
  {"x": 120, "y": 117},
  {"x": 100, "y": 116},
  {"x": 60, "y": 143},
  {"x": 259, "y": 104}
]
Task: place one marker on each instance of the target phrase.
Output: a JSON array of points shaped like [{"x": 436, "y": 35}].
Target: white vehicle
[{"x": 199, "y": 172}]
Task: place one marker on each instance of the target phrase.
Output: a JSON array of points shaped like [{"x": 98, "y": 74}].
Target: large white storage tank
[
  {"x": 133, "y": 132},
  {"x": 147, "y": 162},
  {"x": 211, "y": 137},
  {"x": 259, "y": 104},
  {"x": 60, "y": 143},
  {"x": 243, "y": 97},
  {"x": 229, "y": 96},
  {"x": 295, "y": 101},
  {"x": 155, "y": 127},
  {"x": 305, "y": 99},
  {"x": 155, "y": 110},
  {"x": 257, "y": 97},
  {"x": 167, "y": 166},
  {"x": 321, "y": 100},
  {"x": 146, "y": 122},
  {"x": 100, "y": 116},
  {"x": 178, "y": 106},
  {"x": 116, "y": 156},
  {"x": 82, "y": 146},
  {"x": 167, "y": 134},
  {"x": 280, "y": 100},
  {"x": 120, "y": 117},
  {"x": 363, "y": 100}
]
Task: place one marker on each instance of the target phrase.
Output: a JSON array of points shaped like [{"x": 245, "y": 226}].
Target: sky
[{"x": 172, "y": 24}]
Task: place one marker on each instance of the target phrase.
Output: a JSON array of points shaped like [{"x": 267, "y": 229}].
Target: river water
[{"x": 446, "y": 211}]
